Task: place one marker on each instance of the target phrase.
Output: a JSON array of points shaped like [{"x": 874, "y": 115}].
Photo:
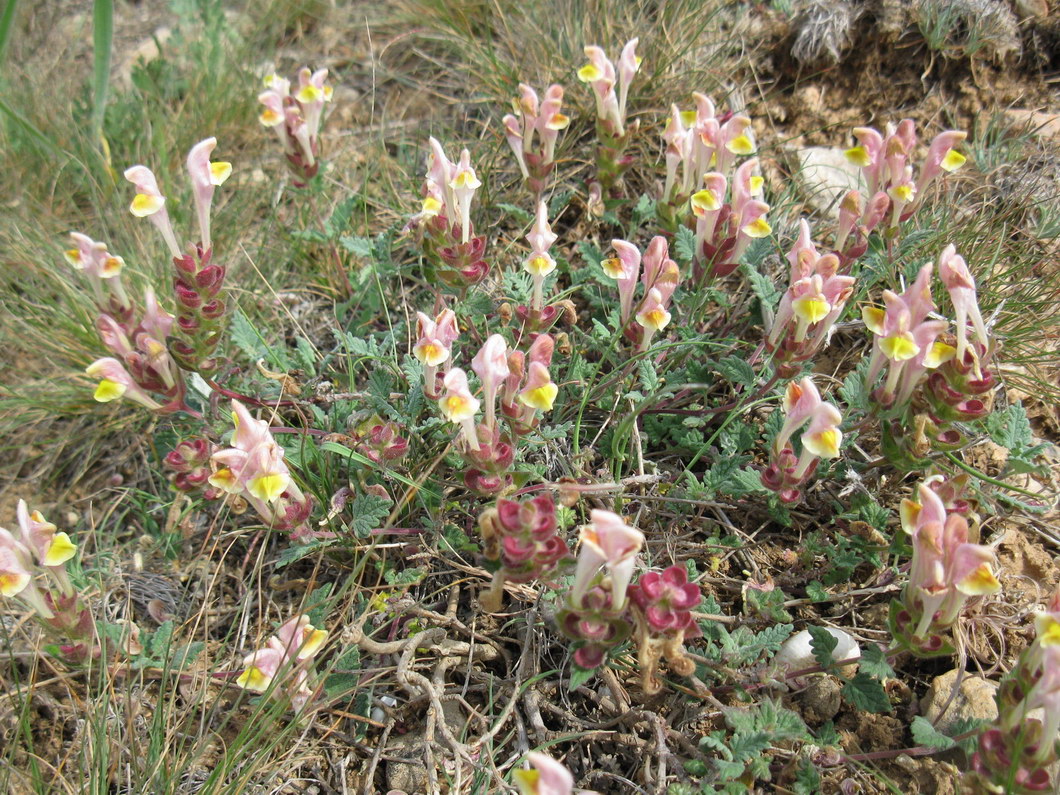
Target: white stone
[
  {"x": 826, "y": 176},
  {"x": 796, "y": 652}
]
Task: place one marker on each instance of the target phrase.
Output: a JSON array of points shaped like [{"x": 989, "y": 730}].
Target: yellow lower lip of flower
[
  {"x": 689, "y": 117},
  {"x": 540, "y": 266},
  {"x": 254, "y": 679},
  {"x": 60, "y": 550},
  {"x": 824, "y": 444},
  {"x": 309, "y": 94},
  {"x": 558, "y": 122},
  {"x": 457, "y": 409},
  {"x": 314, "y": 639},
  {"x": 900, "y": 347},
  {"x": 704, "y": 201},
  {"x": 741, "y": 145},
  {"x": 758, "y": 228},
  {"x": 812, "y": 309},
  {"x": 756, "y": 185},
  {"x": 108, "y": 390},
  {"x": 656, "y": 319},
  {"x": 13, "y": 584},
  {"x": 466, "y": 180},
  {"x": 111, "y": 267},
  {"x": 219, "y": 172},
  {"x": 909, "y": 512},
  {"x": 430, "y": 354},
  {"x": 540, "y": 398},
  {"x": 939, "y": 353},
  {"x": 1048, "y": 629},
  {"x": 144, "y": 205},
  {"x": 873, "y": 317},
  {"x": 980, "y": 582},
  {"x": 904, "y": 193},
  {"x": 431, "y": 206},
  {"x": 859, "y": 156},
  {"x": 613, "y": 267},
  {"x": 589, "y": 73},
  {"x": 73, "y": 256},
  {"x": 270, "y": 117},
  {"x": 953, "y": 160},
  {"x": 268, "y": 487},
  {"x": 225, "y": 480},
  {"x": 526, "y": 781}
]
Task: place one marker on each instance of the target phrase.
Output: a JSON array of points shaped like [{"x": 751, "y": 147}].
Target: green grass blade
[
  {"x": 102, "y": 38},
  {"x": 7, "y": 23}
]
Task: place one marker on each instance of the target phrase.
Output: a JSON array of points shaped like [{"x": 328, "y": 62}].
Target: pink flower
[
  {"x": 624, "y": 269},
  {"x": 961, "y": 286},
  {"x": 665, "y": 599},
  {"x": 606, "y": 541},
  {"x": 205, "y": 177},
  {"x": 491, "y": 366},
  {"x": 150, "y": 203},
  {"x": 547, "y": 777},
  {"x": 115, "y": 382},
  {"x": 459, "y": 406}
]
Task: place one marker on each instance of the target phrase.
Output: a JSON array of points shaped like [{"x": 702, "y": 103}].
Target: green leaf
[
  {"x": 874, "y": 662},
  {"x": 590, "y": 253},
  {"x": 866, "y": 693},
  {"x": 520, "y": 215},
  {"x": 927, "y": 735},
  {"x": 823, "y": 644},
  {"x": 358, "y": 246},
  {"x": 854, "y": 391},
  {"x": 339, "y": 221},
  {"x": 368, "y": 510},
  {"x": 102, "y": 40},
  {"x": 816, "y": 592},
  {"x": 1010, "y": 428},
  {"x": 579, "y": 676},
  {"x": 298, "y": 551},
  {"x": 649, "y": 379},
  {"x": 764, "y": 288},
  {"x": 643, "y": 209},
  {"x": 736, "y": 370},
  {"x": 185, "y": 655},
  {"x": 684, "y": 245},
  {"x": 745, "y": 481},
  {"x": 405, "y": 576},
  {"x": 807, "y": 779},
  {"x": 337, "y": 684},
  {"x": 246, "y": 337}
]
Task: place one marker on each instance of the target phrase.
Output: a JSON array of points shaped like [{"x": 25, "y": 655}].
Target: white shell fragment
[{"x": 796, "y": 653}]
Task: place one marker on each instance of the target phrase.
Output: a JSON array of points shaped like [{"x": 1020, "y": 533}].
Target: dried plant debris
[
  {"x": 966, "y": 27},
  {"x": 823, "y": 30}
]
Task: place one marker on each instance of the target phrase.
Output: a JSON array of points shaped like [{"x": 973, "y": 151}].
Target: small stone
[
  {"x": 974, "y": 699},
  {"x": 821, "y": 699},
  {"x": 826, "y": 176},
  {"x": 1042, "y": 124},
  {"x": 796, "y": 652},
  {"x": 1028, "y": 9}
]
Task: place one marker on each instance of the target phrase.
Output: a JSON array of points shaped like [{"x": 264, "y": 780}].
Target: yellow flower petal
[
  {"x": 909, "y": 512},
  {"x": 430, "y": 354},
  {"x": 859, "y": 156},
  {"x": 111, "y": 267},
  {"x": 689, "y": 117},
  {"x": 457, "y": 408},
  {"x": 703, "y": 202},
  {"x": 526, "y": 781},
  {"x": 13, "y": 584},
  {"x": 73, "y": 256},
  {"x": 758, "y": 228},
  {"x": 1048, "y": 629},
  {"x": 309, "y": 93},
  {"x": 824, "y": 444},
  {"x": 656, "y": 319},
  {"x": 269, "y": 487},
  {"x": 953, "y": 160},
  {"x": 756, "y": 184},
  {"x": 589, "y": 73},
  {"x": 60, "y": 550},
  {"x": 541, "y": 398},
  {"x": 874, "y": 317},
  {"x": 900, "y": 347},
  {"x": 313, "y": 639},
  {"x": 270, "y": 117},
  {"x": 540, "y": 266},
  {"x": 904, "y": 193},
  {"x": 980, "y": 582},
  {"x": 329, "y": 92},
  {"x": 810, "y": 308},
  {"x": 558, "y": 122},
  {"x": 741, "y": 145},
  {"x": 225, "y": 480},
  {"x": 219, "y": 172},
  {"x": 108, "y": 390},
  {"x": 938, "y": 353},
  {"x": 144, "y": 205},
  {"x": 613, "y": 267},
  {"x": 254, "y": 679}
]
